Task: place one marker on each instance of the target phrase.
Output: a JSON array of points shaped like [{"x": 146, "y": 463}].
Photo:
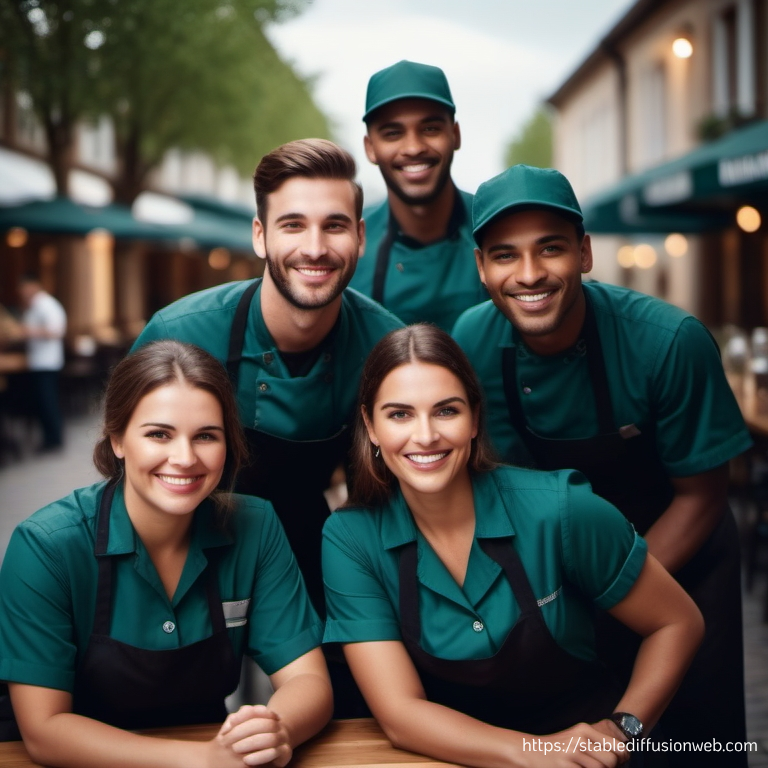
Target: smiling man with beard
[
  {"x": 295, "y": 340},
  {"x": 419, "y": 262}
]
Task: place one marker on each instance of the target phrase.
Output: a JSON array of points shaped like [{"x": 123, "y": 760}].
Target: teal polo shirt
[
  {"x": 431, "y": 283},
  {"x": 311, "y": 407},
  {"x": 49, "y": 576},
  {"x": 663, "y": 369},
  {"x": 576, "y": 549}
]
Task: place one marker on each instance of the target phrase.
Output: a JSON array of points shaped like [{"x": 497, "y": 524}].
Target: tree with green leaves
[
  {"x": 533, "y": 143},
  {"x": 197, "y": 75}
]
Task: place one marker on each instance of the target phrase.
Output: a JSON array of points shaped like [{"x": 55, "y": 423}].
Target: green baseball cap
[
  {"x": 407, "y": 80},
  {"x": 523, "y": 186}
]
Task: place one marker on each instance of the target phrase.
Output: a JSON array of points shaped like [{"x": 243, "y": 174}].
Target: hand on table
[
  {"x": 582, "y": 745},
  {"x": 254, "y": 735}
]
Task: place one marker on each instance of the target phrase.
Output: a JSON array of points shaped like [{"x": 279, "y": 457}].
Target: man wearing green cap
[
  {"x": 418, "y": 258},
  {"x": 629, "y": 390}
]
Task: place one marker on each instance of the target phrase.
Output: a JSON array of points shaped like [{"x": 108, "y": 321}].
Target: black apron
[
  {"x": 292, "y": 474},
  {"x": 531, "y": 684},
  {"x": 623, "y": 466},
  {"x": 131, "y": 687}
]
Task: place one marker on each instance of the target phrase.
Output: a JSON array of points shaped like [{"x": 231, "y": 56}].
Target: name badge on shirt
[{"x": 235, "y": 612}]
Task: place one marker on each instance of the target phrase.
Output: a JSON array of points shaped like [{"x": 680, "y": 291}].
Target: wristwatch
[{"x": 628, "y": 724}]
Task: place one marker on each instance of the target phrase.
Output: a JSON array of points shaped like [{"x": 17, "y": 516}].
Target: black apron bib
[
  {"x": 531, "y": 684},
  {"x": 623, "y": 467},
  {"x": 291, "y": 474},
  {"x": 131, "y": 687}
]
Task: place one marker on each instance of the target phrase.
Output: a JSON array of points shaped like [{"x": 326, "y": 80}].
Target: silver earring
[{"x": 378, "y": 452}]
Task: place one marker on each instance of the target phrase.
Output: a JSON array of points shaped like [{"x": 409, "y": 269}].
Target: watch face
[{"x": 630, "y": 725}]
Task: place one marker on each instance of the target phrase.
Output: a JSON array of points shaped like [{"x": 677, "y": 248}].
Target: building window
[{"x": 734, "y": 69}]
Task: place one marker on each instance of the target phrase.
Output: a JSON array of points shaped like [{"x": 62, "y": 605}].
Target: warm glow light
[
  {"x": 626, "y": 256},
  {"x": 676, "y": 245},
  {"x": 682, "y": 48},
  {"x": 100, "y": 241},
  {"x": 219, "y": 258},
  {"x": 748, "y": 218},
  {"x": 645, "y": 255},
  {"x": 16, "y": 237}
]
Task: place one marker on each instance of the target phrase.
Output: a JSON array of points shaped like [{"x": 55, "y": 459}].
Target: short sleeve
[
  {"x": 37, "y": 635},
  {"x": 699, "y": 425},
  {"x": 358, "y": 606},
  {"x": 283, "y": 623},
  {"x": 602, "y": 552}
]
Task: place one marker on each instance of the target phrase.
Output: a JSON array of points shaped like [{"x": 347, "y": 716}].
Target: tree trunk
[
  {"x": 61, "y": 149},
  {"x": 132, "y": 171}
]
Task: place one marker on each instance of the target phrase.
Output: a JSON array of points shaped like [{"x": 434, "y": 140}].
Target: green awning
[
  {"x": 63, "y": 216},
  {"x": 693, "y": 193}
]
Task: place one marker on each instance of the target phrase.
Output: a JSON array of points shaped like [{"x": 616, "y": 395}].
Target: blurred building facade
[
  {"x": 192, "y": 229},
  {"x": 663, "y": 132}
]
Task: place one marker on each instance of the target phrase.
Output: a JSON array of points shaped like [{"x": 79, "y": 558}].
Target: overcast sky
[{"x": 501, "y": 57}]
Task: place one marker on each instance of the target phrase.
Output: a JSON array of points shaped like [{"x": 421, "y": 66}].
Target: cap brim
[{"x": 426, "y": 96}]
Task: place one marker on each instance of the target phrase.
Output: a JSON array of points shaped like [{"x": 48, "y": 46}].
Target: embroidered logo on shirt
[
  {"x": 549, "y": 598},
  {"x": 235, "y": 612}
]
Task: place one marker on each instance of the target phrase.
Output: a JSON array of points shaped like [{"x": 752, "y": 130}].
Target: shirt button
[
  {"x": 328, "y": 378},
  {"x": 526, "y": 390},
  {"x": 169, "y": 626},
  {"x": 478, "y": 626},
  {"x": 399, "y": 267},
  {"x": 327, "y": 357},
  {"x": 263, "y": 387},
  {"x": 268, "y": 358}
]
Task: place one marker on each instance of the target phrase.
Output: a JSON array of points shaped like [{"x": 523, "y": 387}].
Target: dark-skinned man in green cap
[
  {"x": 629, "y": 390},
  {"x": 418, "y": 258}
]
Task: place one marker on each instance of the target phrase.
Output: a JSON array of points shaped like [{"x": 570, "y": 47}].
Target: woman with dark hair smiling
[
  {"x": 130, "y": 604},
  {"x": 462, "y": 591}
]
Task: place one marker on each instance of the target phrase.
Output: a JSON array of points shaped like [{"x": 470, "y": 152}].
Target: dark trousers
[{"x": 45, "y": 394}]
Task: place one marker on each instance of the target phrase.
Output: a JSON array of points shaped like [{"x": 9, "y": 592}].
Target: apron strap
[
  {"x": 598, "y": 376},
  {"x": 102, "y": 615},
  {"x": 382, "y": 260},
  {"x": 503, "y": 552},
  {"x": 237, "y": 331},
  {"x": 212, "y": 592}
]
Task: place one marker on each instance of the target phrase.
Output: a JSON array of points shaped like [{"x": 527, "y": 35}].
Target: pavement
[{"x": 30, "y": 482}]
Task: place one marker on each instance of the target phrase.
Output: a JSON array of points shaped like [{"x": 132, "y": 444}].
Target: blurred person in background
[
  {"x": 418, "y": 256},
  {"x": 629, "y": 390},
  {"x": 44, "y": 323},
  {"x": 294, "y": 343},
  {"x": 129, "y": 604}
]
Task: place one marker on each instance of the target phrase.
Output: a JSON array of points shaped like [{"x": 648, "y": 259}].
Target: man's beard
[{"x": 321, "y": 298}]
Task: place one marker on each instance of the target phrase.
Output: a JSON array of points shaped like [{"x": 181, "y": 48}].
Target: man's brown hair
[{"x": 308, "y": 159}]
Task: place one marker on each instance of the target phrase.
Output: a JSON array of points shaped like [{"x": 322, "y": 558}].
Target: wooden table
[{"x": 342, "y": 743}]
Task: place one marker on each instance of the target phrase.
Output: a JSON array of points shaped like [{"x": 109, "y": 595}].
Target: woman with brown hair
[
  {"x": 462, "y": 591},
  {"x": 130, "y": 604}
]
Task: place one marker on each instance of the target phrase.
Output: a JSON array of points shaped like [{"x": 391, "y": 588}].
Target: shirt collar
[
  {"x": 452, "y": 231},
  {"x": 207, "y": 532},
  {"x": 336, "y": 337},
  {"x": 398, "y": 527}
]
